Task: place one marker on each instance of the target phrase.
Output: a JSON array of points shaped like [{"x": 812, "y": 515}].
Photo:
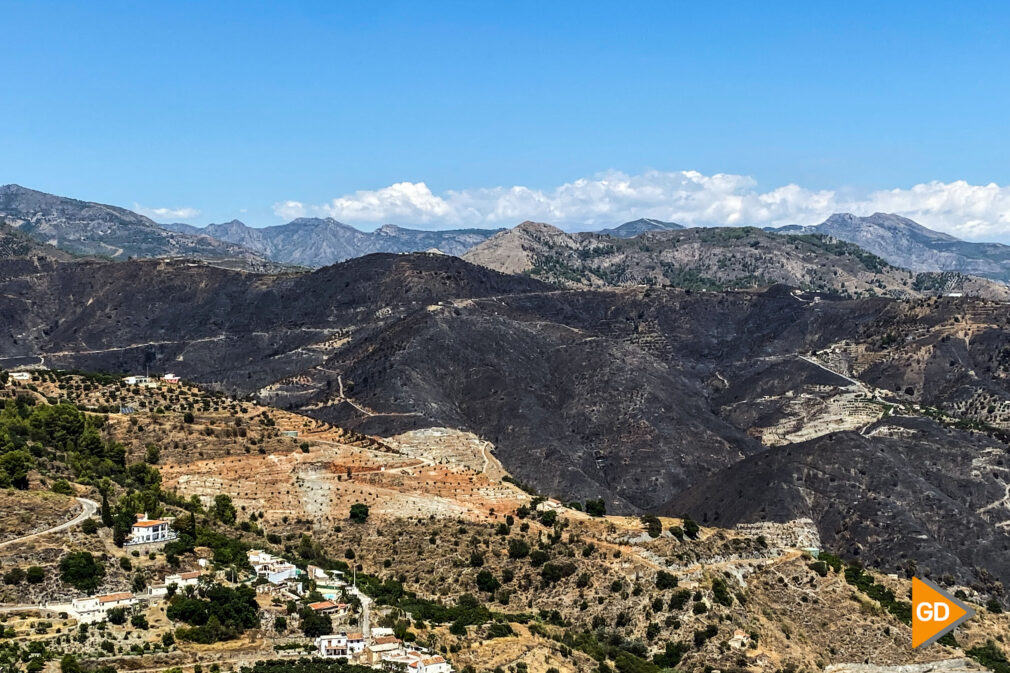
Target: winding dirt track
[{"x": 89, "y": 507}]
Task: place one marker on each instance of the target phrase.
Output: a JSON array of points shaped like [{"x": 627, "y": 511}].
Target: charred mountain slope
[{"x": 656, "y": 399}]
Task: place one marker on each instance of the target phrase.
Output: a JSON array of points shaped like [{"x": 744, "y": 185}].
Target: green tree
[
  {"x": 80, "y": 570},
  {"x": 359, "y": 512},
  {"x": 596, "y": 507},
  {"x": 315, "y": 624},
  {"x": 224, "y": 510},
  {"x": 14, "y": 468}
]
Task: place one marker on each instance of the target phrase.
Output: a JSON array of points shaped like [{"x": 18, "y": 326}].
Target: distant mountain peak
[
  {"x": 640, "y": 226},
  {"x": 906, "y": 243}
]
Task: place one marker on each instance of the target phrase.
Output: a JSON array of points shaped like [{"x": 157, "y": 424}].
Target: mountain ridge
[
  {"x": 711, "y": 258},
  {"x": 908, "y": 244},
  {"x": 90, "y": 228},
  {"x": 318, "y": 242}
]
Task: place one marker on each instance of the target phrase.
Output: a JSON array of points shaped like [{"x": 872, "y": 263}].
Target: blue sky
[{"x": 436, "y": 114}]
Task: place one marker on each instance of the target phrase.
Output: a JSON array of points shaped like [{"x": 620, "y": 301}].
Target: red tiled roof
[
  {"x": 322, "y": 605},
  {"x": 108, "y": 598},
  {"x": 148, "y": 524}
]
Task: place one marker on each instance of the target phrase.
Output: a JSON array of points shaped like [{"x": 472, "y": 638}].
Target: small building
[
  {"x": 187, "y": 579},
  {"x": 329, "y": 608},
  {"x": 136, "y": 380},
  {"x": 96, "y": 608},
  {"x": 428, "y": 663},
  {"x": 550, "y": 505},
  {"x": 739, "y": 640},
  {"x": 171, "y": 379},
  {"x": 355, "y": 642},
  {"x": 150, "y": 531},
  {"x": 334, "y": 645},
  {"x": 24, "y": 377},
  {"x": 382, "y": 649},
  {"x": 271, "y": 568}
]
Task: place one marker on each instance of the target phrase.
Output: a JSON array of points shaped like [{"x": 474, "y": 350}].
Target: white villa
[
  {"x": 148, "y": 531},
  {"x": 20, "y": 376},
  {"x": 328, "y": 582},
  {"x": 268, "y": 566},
  {"x": 96, "y": 608},
  {"x": 170, "y": 379},
  {"x": 334, "y": 645}
]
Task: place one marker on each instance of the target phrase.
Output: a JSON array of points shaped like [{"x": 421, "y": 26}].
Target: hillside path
[{"x": 89, "y": 507}]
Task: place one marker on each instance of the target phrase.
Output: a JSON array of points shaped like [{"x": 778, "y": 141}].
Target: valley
[{"x": 447, "y": 524}]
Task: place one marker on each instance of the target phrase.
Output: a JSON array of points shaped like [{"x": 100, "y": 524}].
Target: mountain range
[
  {"x": 94, "y": 229},
  {"x": 876, "y": 419},
  {"x": 712, "y": 258},
  {"x": 316, "y": 242},
  {"x": 910, "y": 245}
]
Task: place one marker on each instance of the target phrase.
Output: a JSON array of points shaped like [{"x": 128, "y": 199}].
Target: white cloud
[
  {"x": 167, "y": 214},
  {"x": 687, "y": 197}
]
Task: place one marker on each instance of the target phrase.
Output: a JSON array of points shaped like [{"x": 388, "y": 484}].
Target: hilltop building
[{"x": 150, "y": 531}]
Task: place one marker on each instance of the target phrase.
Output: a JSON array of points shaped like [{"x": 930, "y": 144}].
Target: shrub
[
  {"x": 665, "y": 580},
  {"x": 487, "y": 582},
  {"x": 62, "y": 486},
  {"x": 518, "y": 549},
  {"x": 14, "y": 576},
  {"x": 359, "y": 512}
]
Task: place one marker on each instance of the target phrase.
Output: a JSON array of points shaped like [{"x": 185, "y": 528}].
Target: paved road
[
  {"x": 89, "y": 507},
  {"x": 366, "y": 606}
]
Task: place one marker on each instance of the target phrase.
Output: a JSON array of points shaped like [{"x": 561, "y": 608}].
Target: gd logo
[{"x": 934, "y": 612}]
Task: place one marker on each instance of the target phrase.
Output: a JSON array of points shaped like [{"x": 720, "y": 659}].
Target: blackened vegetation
[{"x": 641, "y": 396}]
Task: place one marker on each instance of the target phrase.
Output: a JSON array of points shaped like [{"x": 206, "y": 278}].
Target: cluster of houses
[
  {"x": 380, "y": 649},
  {"x": 92, "y": 609},
  {"x": 148, "y": 382}
]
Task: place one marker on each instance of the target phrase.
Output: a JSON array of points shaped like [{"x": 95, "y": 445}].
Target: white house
[
  {"x": 550, "y": 505},
  {"x": 96, "y": 608},
  {"x": 334, "y": 645},
  {"x": 355, "y": 642},
  {"x": 273, "y": 569},
  {"x": 422, "y": 662},
  {"x": 136, "y": 380},
  {"x": 20, "y": 376},
  {"x": 171, "y": 379},
  {"x": 180, "y": 580},
  {"x": 147, "y": 531}
]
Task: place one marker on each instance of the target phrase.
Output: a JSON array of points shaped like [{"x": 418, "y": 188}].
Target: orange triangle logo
[{"x": 934, "y": 612}]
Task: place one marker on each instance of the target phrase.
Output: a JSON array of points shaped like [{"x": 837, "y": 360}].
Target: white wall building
[
  {"x": 96, "y": 608},
  {"x": 273, "y": 569},
  {"x": 147, "y": 531},
  {"x": 334, "y": 645}
]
